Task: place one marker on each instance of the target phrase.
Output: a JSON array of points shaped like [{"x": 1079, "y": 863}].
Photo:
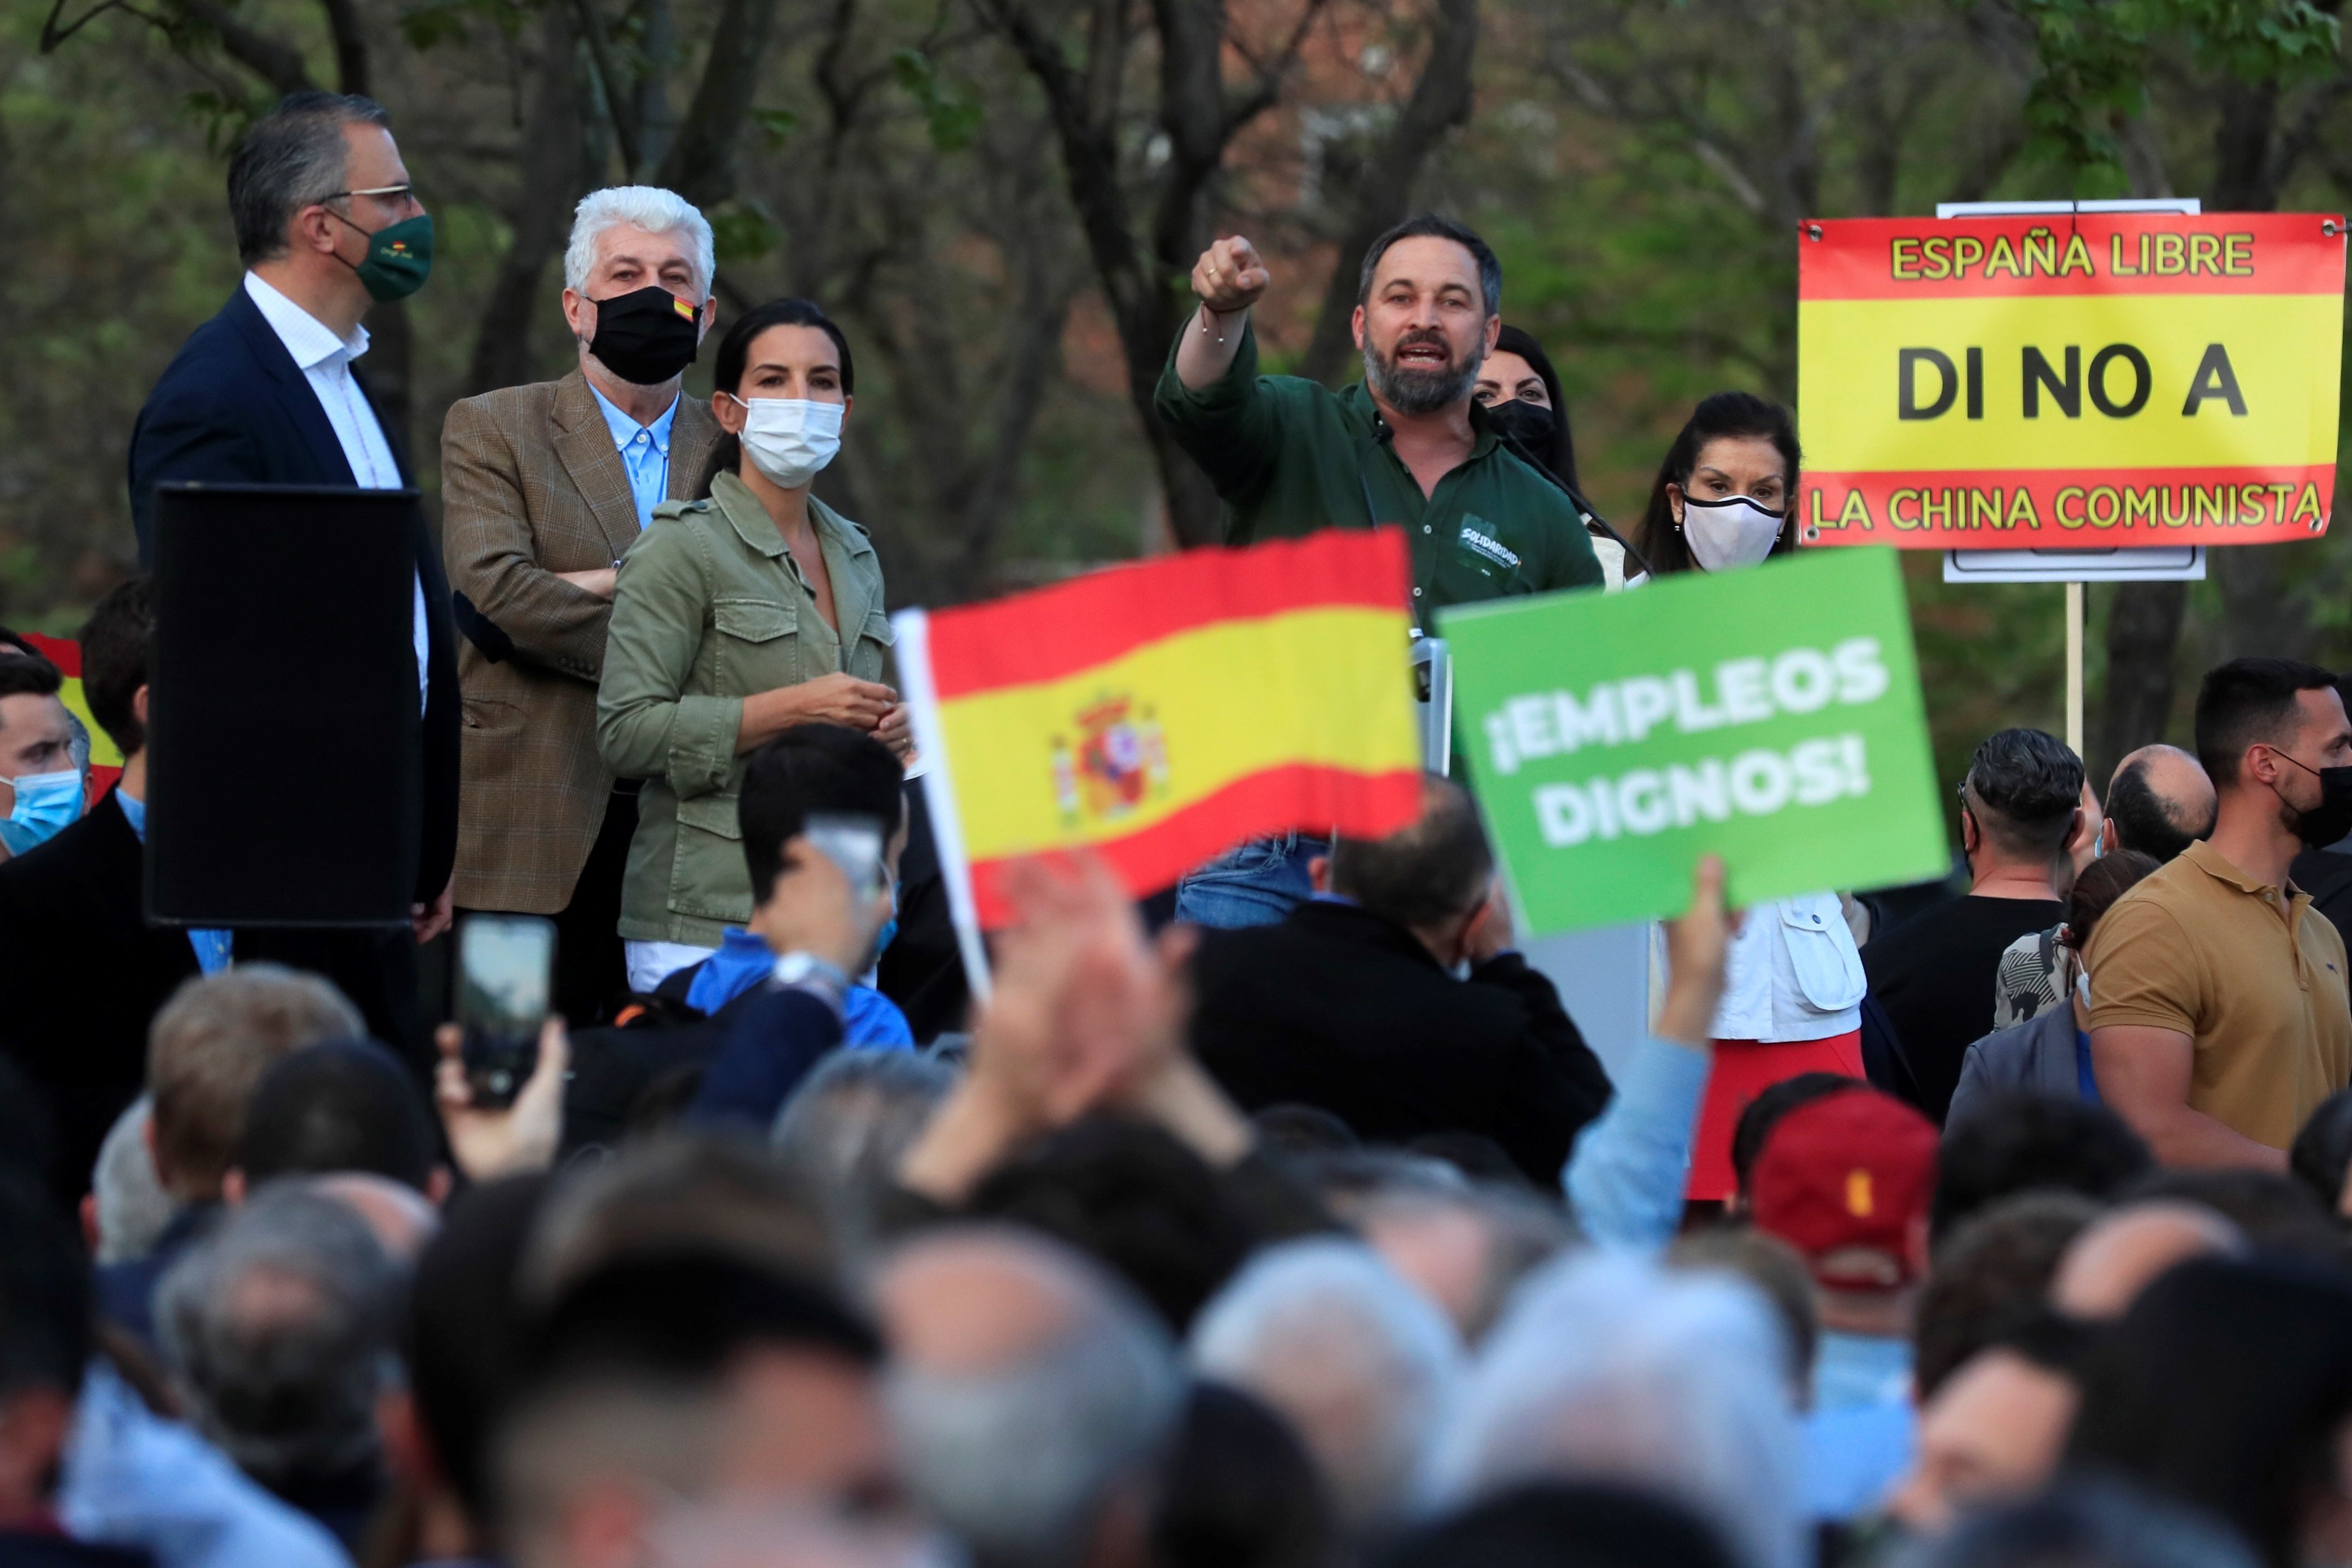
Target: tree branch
[
  {"x": 52, "y": 34},
  {"x": 274, "y": 61},
  {"x": 700, "y": 164},
  {"x": 1089, "y": 153},
  {"x": 1383, "y": 190},
  {"x": 1271, "y": 73},
  {"x": 351, "y": 46},
  {"x": 620, "y": 109}
]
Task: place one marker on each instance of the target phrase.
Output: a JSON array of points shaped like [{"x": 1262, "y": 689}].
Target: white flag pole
[{"x": 914, "y": 650}]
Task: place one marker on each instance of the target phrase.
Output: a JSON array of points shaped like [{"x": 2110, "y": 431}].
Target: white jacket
[{"x": 1791, "y": 973}]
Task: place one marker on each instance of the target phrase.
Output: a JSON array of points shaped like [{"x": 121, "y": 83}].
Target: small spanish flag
[{"x": 1163, "y": 712}]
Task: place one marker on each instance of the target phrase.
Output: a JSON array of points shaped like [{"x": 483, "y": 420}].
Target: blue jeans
[{"x": 1255, "y": 885}]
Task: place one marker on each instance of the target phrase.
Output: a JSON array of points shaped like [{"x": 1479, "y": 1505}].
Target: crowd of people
[{"x": 1286, "y": 1222}]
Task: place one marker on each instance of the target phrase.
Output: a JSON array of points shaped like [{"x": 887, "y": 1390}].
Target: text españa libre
[{"x": 1742, "y": 691}]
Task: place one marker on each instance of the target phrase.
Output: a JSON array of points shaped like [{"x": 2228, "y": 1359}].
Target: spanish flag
[{"x": 1161, "y": 713}]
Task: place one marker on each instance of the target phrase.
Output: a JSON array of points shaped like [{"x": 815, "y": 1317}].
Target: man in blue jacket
[{"x": 266, "y": 393}]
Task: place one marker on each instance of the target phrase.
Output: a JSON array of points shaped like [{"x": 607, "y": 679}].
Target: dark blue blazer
[
  {"x": 234, "y": 408},
  {"x": 779, "y": 1034}
]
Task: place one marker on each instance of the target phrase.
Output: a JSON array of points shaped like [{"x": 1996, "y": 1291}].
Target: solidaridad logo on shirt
[
  {"x": 1478, "y": 541},
  {"x": 1121, "y": 758}
]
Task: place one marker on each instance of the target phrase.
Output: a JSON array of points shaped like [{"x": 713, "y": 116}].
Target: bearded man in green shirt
[{"x": 1408, "y": 445}]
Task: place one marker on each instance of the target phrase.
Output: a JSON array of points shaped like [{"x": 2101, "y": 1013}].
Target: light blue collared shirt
[
  {"x": 127, "y": 1478},
  {"x": 644, "y": 453},
  {"x": 213, "y": 947}
]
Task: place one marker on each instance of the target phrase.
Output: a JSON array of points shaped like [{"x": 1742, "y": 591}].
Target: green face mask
[{"x": 399, "y": 258}]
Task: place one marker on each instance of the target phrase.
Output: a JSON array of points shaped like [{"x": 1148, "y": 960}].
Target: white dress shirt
[{"x": 326, "y": 363}]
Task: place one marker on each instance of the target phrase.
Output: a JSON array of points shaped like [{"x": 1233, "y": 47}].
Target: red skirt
[{"x": 1744, "y": 1069}]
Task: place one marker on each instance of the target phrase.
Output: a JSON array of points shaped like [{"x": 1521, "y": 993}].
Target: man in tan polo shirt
[{"x": 2219, "y": 1012}]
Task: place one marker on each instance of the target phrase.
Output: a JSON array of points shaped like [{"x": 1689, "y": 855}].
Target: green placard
[{"x": 1771, "y": 715}]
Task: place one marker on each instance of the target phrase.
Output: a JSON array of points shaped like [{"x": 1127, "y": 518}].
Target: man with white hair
[
  {"x": 1365, "y": 1370},
  {"x": 1032, "y": 1397},
  {"x": 1608, "y": 1368},
  {"x": 544, "y": 487}
]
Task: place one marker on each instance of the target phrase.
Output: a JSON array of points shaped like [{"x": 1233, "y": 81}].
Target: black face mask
[
  {"x": 2331, "y": 819},
  {"x": 1531, "y": 425},
  {"x": 647, "y": 336}
]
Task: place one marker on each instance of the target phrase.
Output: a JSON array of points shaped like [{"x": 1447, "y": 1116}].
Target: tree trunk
[
  {"x": 553, "y": 174},
  {"x": 1381, "y": 194},
  {"x": 1198, "y": 122},
  {"x": 1033, "y": 357},
  {"x": 700, "y": 163},
  {"x": 1146, "y": 332},
  {"x": 351, "y": 46},
  {"x": 2143, "y": 631},
  {"x": 2259, "y": 614}
]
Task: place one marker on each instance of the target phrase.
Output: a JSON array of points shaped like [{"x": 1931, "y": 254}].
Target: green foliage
[
  {"x": 953, "y": 118},
  {"x": 742, "y": 231},
  {"x": 438, "y": 22},
  {"x": 775, "y": 126},
  {"x": 2094, "y": 59},
  {"x": 224, "y": 115}
]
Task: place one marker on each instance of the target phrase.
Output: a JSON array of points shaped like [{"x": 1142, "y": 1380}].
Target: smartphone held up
[{"x": 506, "y": 966}]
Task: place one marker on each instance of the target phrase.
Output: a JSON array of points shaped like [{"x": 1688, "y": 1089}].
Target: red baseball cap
[{"x": 1850, "y": 1172}]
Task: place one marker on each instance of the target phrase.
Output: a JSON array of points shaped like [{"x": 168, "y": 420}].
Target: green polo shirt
[{"x": 1289, "y": 456}]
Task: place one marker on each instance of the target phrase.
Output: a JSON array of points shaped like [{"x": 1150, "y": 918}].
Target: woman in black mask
[{"x": 1520, "y": 393}]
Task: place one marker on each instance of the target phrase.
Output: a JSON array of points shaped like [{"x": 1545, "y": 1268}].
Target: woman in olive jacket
[{"x": 734, "y": 618}]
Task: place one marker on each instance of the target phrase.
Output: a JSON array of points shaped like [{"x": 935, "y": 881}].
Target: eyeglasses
[{"x": 396, "y": 193}]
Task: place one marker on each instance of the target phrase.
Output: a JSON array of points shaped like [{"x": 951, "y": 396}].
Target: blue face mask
[
  {"x": 890, "y": 930},
  {"x": 46, "y": 805}
]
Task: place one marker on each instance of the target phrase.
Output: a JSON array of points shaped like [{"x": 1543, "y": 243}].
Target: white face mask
[
  {"x": 1729, "y": 533},
  {"x": 789, "y": 439}
]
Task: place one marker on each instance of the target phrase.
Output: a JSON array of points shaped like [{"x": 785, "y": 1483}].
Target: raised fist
[{"x": 1229, "y": 277}]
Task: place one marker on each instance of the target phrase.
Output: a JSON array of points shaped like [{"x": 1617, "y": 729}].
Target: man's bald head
[
  {"x": 2120, "y": 1256},
  {"x": 2159, "y": 802}
]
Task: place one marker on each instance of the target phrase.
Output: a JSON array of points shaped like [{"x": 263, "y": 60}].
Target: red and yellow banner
[
  {"x": 1163, "y": 712},
  {"x": 2086, "y": 380}
]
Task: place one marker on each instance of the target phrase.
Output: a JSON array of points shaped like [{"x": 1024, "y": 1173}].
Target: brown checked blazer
[{"x": 532, "y": 485}]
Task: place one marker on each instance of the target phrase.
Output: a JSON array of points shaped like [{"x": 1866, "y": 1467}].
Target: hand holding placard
[{"x": 1773, "y": 716}]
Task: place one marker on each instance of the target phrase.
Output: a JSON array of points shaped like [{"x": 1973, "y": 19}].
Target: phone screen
[
  {"x": 506, "y": 964},
  {"x": 852, "y": 843}
]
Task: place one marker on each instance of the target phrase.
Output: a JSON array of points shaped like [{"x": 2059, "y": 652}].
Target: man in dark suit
[
  {"x": 1351, "y": 1004},
  {"x": 266, "y": 393},
  {"x": 84, "y": 972}
]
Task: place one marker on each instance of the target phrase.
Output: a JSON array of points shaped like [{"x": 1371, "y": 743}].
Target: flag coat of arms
[{"x": 1161, "y": 713}]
